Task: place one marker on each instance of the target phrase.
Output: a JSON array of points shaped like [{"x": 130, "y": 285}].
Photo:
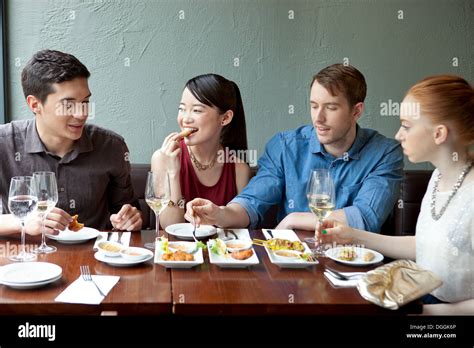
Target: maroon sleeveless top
[{"x": 220, "y": 194}]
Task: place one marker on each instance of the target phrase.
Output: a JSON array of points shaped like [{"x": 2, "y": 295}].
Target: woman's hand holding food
[{"x": 169, "y": 153}]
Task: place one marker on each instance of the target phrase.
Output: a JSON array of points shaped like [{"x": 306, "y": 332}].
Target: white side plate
[
  {"x": 120, "y": 261},
  {"x": 185, "y": 231},
  {"x": 28, "y": 275},
  {"x": 69, "y": 237},
  {"x": 333, "y": 254}
]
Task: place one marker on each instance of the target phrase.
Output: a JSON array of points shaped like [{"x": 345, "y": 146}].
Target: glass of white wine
[
  {"x": 22, "y": 202},
  {"x": 157, "y": 196},
  {"x": 47, "y": 191},
  {"x": 321, "y": 202}
]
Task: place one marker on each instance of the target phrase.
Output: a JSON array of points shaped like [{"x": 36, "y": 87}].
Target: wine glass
[
  {"x": 47, "y": 191},
  {"x": 321, "y": 202},
  {"x": 22, "y": 202},
  {"x": 157, "y": 196}
]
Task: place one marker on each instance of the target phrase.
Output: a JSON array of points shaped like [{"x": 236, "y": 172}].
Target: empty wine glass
[
  {"x": 47, "y": 191},
  {"x": 22, "y": 202},
  {"x": 321, "y": 201},
  {"x": 157, "y": 196}
]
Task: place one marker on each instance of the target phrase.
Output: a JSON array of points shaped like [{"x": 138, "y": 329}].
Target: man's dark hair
[
  {"x": 47, "y": 67},
  {"x": 345, "y": 79}
]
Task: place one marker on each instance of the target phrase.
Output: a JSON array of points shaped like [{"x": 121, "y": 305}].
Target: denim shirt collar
[{"x": 354, "y": 151}]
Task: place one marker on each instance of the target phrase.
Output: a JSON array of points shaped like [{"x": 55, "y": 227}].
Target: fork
[
  {"x": 194, "y": 229},
  {"x": 227, "y": 231},
  {"x": 119, "y": 235},
  {"x": 86, "y": 275},
  {"x": 340, "y": 275}
]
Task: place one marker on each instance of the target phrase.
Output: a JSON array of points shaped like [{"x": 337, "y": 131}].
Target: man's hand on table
[{"x": 128, "y": 218}]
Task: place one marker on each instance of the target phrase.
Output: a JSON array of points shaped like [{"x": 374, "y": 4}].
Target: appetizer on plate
[
  {"x": 177, "y": 256},
  {"x": 243, "y": 251},
  {"x": 75, "y": 225},
  {"x": 347, "y": 254},
  {"x": 111, "y": 249},
  {"x": 368, "y": 256},
  {"x": 354, "y": 255},
  {"x": 287, "y": 254},
  {"x": 242, "y": 255},
  {"x": 280, "y": 244},
  {"x": 179, "y": 251}
]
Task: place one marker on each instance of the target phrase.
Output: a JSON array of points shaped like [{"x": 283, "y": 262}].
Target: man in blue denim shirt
[{"x": 366, "y": 167}]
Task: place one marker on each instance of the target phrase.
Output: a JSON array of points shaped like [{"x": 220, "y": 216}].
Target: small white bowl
[
  {"x": 134, "y": 253},
  {"x": 110, "y": 249},
  {"x": 186, "y": 247},
  {"x": 287, "y": 255},
  {"x": 238, "y": 245}
]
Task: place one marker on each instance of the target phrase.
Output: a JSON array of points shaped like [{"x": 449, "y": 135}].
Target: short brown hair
[
  {"x": 344, "y": 79},
  {"x": 47, "y": 67}
]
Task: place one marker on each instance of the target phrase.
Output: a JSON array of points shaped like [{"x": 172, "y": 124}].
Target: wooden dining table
[{"x": 151, "y": 289}]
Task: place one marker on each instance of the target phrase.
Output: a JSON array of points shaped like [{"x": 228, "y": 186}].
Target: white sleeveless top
[{"x": 446, "y": 246}]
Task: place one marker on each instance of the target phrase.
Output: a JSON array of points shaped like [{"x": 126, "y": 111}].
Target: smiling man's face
[{"x": 65, "y": 111}]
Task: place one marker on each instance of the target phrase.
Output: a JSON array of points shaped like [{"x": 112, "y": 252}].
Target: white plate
[
  {"x": 244, "y": 244},
  {"x": 198, "y": 259},
  {"x": 300, "y": 263},
  {"x": 28, "y": 275},
  {"x": 187, "y": 247},
  {"x": 140, "y": 253},
  {"x": 120, "y": 261},
  {"x": 69, "y": 237},
  {"x": 334, "y": 252},
  {"x": 292, "y": 236},
  {"x": 25, "y": 286},
  {"x": 185, "y": 231},
  {"x": 229, "y": 262}
]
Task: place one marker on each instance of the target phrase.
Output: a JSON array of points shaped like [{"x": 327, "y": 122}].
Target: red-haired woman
[{"x": 437, "y": 126}]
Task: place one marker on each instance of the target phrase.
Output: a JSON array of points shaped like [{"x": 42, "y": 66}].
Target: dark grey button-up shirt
[{"x": 93, "y": 178}]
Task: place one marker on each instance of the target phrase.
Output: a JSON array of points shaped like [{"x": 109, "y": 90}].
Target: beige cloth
[{"x": 397, "y": 283}]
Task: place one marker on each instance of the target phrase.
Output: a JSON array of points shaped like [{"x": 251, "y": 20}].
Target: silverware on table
[
  {"x": 270, "y": 233},
  {"x": 341, "y": 276},
  {"x": 226, "y": 231},
  {"x": 86, "y": 275},
  {"x": 119, "y": 237},
  {"x": 194, "y": 229}
]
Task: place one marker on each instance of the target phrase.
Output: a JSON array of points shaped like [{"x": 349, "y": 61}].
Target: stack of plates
[{"x": 29, "y": 275}]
